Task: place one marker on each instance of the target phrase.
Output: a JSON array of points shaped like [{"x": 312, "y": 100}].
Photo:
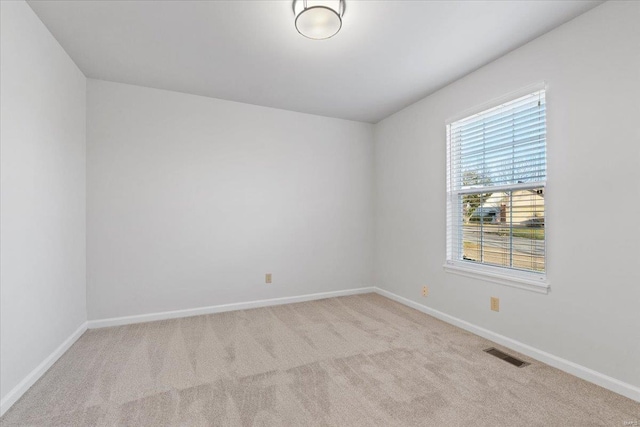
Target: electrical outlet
[
  {"x": 267, "y": 278},
  {"x": 495, "y": 304},
  {"x": 425, "y": 291}
]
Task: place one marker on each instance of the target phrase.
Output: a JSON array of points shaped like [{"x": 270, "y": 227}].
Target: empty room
[{"x": 319, "y": 213}]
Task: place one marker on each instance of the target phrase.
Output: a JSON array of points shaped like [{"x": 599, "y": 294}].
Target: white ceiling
[{"x": 388, "y": 54}]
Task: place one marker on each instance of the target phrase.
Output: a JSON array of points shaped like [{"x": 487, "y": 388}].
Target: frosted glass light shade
[{"x": 318, "y": 22}]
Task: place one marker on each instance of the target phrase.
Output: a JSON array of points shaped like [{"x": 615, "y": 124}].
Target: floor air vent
[{"x": 504, "y": 356}]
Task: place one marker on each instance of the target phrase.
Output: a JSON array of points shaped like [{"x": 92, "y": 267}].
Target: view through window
[{"x": 496, "y": 167}]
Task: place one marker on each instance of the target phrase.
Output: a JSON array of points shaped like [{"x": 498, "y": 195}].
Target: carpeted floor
[{"x": 349, "y": 361}]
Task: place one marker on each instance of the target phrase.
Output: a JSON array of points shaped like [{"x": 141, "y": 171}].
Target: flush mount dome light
[{"x": 318, "y": 20}]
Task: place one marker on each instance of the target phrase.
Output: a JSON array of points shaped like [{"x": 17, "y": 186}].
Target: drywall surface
[
  {"x": 192, "y": 200},
  {"x": 43, "y": 293},
  {"x": 592, "y": 69}
]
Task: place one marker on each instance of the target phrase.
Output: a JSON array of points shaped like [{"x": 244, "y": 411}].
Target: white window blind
[{"x": 496, "y": 176}]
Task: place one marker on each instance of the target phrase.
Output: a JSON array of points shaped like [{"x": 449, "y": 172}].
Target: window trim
[
  {"x": 502, "y": 276},
  {"x": 495, "y": 102},
  {"x": 521, "y": 279}
]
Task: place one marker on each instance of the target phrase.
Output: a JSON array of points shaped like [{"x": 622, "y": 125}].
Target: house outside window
[{"x": 496, "y": 180}]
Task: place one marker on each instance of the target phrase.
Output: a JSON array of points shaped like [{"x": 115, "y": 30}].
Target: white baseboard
[
  {"x": 617, "y": 386},
  {"x": 141, "y": 318},
  {"x": 24, "y": 385}
]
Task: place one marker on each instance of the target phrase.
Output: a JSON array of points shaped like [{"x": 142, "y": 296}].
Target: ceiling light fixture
[{"x": 318, "y": 21}]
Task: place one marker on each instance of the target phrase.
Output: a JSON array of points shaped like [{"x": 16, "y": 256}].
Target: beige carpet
[{"x": 349, "y": 361}]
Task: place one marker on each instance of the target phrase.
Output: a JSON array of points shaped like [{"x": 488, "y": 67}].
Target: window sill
[{"x": 489, "y": 274}]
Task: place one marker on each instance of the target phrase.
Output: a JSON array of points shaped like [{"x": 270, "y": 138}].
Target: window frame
[{"x": 522, "y": 279}]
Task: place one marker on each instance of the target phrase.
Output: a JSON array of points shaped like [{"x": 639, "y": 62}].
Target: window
[{"x": 496, "y": 176}]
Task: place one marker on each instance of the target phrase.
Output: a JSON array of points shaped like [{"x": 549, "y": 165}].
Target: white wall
[
  {"x": 592, "y": 315},
  {"x": 191, "y": 200},
  {"x": 42, "y": 212}
]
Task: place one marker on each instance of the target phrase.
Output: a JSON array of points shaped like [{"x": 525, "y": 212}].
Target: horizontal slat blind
[
  {"x": 503, "y": 145},
  {"x": 496, "y": 172}
]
